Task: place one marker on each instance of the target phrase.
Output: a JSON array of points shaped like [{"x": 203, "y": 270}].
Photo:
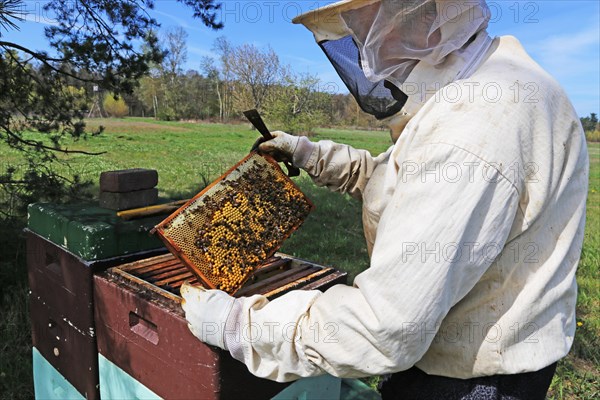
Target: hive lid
[
  {"x": 237, "y": 222},
  {"x": 91, "y": 232}
]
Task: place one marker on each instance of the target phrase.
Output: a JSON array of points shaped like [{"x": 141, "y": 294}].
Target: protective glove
[
  {"x": 285, "y": 147},
  {"x": 207, "y": 312}
]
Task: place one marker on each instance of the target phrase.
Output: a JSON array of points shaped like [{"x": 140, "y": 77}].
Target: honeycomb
[{"x": 236, "y": 223}]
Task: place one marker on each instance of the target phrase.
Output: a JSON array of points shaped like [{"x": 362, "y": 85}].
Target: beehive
[{"x": 238, "y": 221}]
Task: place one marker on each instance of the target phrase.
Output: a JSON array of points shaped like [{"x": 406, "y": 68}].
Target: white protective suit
[{"x": 474, "y": 221}]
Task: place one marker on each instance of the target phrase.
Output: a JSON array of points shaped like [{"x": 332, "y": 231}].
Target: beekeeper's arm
[
  {"x": 340, "y": 167},
  {"x": 435, "y": 240}
]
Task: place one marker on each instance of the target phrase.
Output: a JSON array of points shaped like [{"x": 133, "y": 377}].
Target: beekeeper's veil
[{"x": 375, "y": 44}]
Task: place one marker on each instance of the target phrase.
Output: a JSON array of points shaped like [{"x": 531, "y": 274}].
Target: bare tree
[
  {"x": 256, "y": 73},
  {"x": 175, "y": 44},
  {"x": 224, "y": 49},
  {"x": 213, "y": 77},
  {"x": 297, "y": 104}
]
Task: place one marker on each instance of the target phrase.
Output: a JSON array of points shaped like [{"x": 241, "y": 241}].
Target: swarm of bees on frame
[{"x": 243, "y": 223}]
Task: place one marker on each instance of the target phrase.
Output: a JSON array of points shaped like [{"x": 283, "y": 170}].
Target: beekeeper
[{"x": 473, "y": 218}]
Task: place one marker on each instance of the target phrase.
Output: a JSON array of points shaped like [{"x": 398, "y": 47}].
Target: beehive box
[
  {"x": 64, "y": 281},
  {"x": 152, "y": 344},
  {"x": 66, "y": 245},
  {"x": 70, "y": 351},
  {"x": 144, "y": 341},
  {"x": 237, "y": 222}
]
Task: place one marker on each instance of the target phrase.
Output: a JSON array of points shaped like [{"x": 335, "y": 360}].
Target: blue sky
[{"x": 561, "y": 35}]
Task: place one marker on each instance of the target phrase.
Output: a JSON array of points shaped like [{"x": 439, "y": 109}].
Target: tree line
[
  {"x": 241, "y": 77},
  {"x": 238, "y": 78}
]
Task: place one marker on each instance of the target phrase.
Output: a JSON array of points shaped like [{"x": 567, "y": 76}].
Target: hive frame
[{"x": 178, "y": 217}]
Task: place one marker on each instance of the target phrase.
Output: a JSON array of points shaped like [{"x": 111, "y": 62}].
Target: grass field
[{"x": 189, "y": 154}]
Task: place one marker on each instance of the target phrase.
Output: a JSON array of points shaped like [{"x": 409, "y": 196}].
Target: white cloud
[
  {"x": 199, "y": 51},
  {"x": 300, "y": 60},
  {"x": 181, "y": 22},
  {"x": 573, "y": 59},
  {"x": 40, "y": 19},
  {"x": 569, "y": 54}
]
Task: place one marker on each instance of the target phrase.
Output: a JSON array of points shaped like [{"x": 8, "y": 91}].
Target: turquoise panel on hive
[
  {"x": 48, "y": 383},
  {"x": 319, "y": 387},
  {"x": 118, "y": 384}
]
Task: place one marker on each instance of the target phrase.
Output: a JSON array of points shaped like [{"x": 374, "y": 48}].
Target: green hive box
[{"x": 91, "y": 232}]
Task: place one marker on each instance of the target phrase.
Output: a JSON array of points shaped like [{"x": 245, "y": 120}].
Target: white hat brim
[{"x": 325, "y": 22}]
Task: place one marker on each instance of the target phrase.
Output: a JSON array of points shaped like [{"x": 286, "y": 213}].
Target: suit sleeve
[{"x": 340, "y": 167}]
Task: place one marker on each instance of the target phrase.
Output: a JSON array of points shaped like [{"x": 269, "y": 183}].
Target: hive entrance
[{"x": 236, "y": 223}]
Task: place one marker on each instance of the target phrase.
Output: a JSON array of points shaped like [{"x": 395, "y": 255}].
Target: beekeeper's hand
[
  {"x": 285, "y": 147},
  {"x": 207, "y": 312}
]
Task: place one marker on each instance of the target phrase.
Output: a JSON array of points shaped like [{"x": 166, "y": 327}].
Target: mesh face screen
[
  {"x": 374, "y": 98},
  {"x": 236, "y": 223}
]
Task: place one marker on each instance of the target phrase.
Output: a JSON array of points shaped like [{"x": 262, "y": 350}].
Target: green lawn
[{"x": 187, "y": 155}]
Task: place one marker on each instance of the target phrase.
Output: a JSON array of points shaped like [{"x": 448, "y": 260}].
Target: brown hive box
[
  {"x": 71, "y": 351},
  {"x": 141, "y": 327},
  {"x": 62, "y": 311}
]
